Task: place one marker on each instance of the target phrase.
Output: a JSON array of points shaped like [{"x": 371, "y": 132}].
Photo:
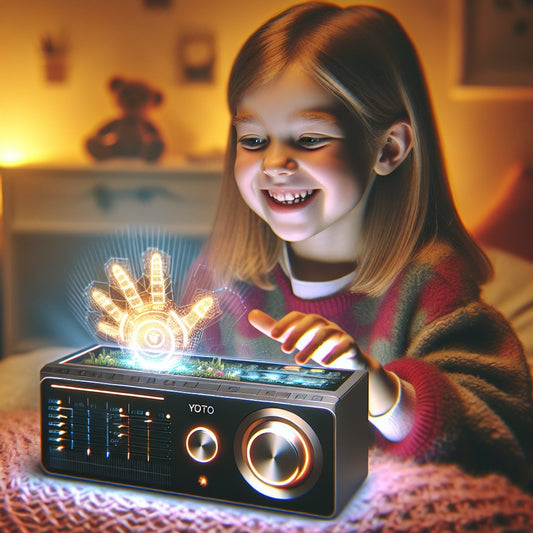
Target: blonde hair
[{"x": 364, "y": 57}]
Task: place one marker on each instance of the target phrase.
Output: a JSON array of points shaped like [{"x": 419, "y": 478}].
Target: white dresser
[{"x": 52, "y": 214}]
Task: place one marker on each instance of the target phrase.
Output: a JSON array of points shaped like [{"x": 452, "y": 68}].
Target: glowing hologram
[
  {"x": 142, "y": 315},
  {"x": 157, "y": 279},
  {"x": 182, "y": 266},
  {"x": 126, "y": 286}
]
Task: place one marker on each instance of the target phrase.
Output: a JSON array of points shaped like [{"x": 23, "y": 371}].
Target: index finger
[{"x": 261, "y": 321}]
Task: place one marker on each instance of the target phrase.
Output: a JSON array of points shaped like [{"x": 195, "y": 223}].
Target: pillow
[
  {"x": 511, "y": 292},
  {"x": 508, "y": 224}
]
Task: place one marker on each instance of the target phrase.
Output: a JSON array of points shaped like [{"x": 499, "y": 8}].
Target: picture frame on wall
[
  {"x": 197, "y": 57},
  {"x": 492, "y": 48}
]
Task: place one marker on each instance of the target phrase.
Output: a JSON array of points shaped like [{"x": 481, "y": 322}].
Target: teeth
[{"x": 289, "y": 198}]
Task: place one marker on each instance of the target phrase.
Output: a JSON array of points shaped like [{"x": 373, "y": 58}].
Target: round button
[
  {"x": 278, "y": 453},
  {"x": 202, "y": 444}
]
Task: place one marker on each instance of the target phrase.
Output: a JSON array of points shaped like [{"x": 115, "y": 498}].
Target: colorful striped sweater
[{"x": 472, "y": 383}]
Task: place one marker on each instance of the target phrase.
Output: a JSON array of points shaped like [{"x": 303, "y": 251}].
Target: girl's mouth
[{"x": 290, "y": 198}]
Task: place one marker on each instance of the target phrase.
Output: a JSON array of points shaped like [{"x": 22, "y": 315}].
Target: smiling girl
[{"x": 337, "y": 226}]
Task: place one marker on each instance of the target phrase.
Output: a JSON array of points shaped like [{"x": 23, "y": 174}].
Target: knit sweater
[{"x": 467, "y": 367}]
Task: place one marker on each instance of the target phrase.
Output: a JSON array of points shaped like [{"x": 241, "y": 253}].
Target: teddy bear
[{"x": 131, "y": 135}]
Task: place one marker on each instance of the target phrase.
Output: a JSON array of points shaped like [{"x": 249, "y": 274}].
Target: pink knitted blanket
[{"x": 397, "y": 496}]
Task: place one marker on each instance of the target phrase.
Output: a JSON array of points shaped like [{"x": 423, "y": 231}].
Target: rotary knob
[
  {"x": 202, "y": 444},
  {"x": 278, "y": 453}
]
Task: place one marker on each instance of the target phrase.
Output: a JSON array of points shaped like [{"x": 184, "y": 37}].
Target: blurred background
[
  {"x": 57, "y": 57},
  {"x": 42, "y": 121}
]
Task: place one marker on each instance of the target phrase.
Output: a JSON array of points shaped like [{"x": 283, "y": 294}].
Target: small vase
[{"x": 55, "y": 66}]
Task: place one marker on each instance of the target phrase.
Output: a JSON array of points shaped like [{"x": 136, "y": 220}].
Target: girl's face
[{"x": 296, "y": 168}]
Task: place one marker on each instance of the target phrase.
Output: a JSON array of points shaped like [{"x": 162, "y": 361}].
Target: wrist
[
  {"x": 383, "y": 391},
  {"x": 397, "y": 422}
]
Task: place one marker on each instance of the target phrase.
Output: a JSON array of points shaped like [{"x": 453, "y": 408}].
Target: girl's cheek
[
  {"x": 246, "y": 165},
  {"x": 240, "y": 158},
  {"x": 239, "y": 169}
]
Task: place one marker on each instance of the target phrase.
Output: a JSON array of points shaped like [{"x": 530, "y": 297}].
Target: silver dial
[
  {"x": 202, "y": 444},
  {"x": 278, "y": 453}
]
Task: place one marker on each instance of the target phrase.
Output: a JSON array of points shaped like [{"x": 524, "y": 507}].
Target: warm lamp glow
[
  {"x": 11, "y": 157},
  {"x": 21, "y": 145}
]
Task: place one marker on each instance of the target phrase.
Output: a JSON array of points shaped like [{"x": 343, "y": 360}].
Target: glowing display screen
[{"x": 214, "y": 367}]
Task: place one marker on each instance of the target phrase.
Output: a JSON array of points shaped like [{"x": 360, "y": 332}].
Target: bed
[{"x": 398, "y": 495}]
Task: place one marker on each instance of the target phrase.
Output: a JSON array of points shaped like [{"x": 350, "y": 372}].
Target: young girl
[{"x": 336, "y": 216}]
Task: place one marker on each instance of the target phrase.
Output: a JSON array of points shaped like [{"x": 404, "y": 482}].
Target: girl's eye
[
  {"x": 311, "y": 142},
  {"x": 252, "y": 142}
]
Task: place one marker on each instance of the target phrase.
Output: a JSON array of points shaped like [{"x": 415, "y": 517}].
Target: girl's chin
[{"x": 290, "y": 234}]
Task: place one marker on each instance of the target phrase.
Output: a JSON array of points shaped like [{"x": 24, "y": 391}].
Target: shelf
[{"x": 53, "y": 212}]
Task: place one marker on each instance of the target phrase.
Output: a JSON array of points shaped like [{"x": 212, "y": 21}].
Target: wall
[{"x": 42, "y": 121}]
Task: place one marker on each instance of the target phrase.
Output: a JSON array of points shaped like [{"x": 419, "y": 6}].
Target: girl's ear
[{"x": 396, "y": 145}]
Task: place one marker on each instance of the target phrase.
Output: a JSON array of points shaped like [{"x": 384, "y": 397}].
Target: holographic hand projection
[{"x": 141, "y": 314}]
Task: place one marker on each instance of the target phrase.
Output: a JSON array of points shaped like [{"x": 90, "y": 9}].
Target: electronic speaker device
[{"x": 287, "y": 437}]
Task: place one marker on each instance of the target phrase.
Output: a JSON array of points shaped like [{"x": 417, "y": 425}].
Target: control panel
[{"x": 285, "y": 447}]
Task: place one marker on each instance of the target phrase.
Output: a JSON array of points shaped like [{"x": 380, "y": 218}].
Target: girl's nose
[
  {"x": 282, "y": 171},
  {"x": 278, "y": 163}
]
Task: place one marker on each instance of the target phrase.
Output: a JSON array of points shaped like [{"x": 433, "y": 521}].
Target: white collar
[{"x": 310, "y": 290}]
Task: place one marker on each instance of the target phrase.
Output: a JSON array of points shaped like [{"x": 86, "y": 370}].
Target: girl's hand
[
  {"x": 314, "y": 336},
  {"x": 326, "y": 343}
]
